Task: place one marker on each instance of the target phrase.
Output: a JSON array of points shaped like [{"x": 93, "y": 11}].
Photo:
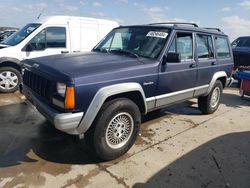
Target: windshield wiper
[
  {"x": 125, "y": 52},
  {"x": 103, "y": 50}
]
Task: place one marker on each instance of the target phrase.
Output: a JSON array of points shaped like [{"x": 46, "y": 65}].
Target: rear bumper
[
  {"x": 66, "y": 122},
  {"x": 229, "y": 81}
]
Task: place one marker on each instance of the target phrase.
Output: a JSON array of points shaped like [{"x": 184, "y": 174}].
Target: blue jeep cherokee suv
[{"x": 132, "y": 71}]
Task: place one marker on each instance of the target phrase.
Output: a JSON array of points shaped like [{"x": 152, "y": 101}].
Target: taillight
[{"x": 70, "y": 98}]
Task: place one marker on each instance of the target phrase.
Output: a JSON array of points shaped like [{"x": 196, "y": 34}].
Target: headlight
[{"x": 61, "y": 89}]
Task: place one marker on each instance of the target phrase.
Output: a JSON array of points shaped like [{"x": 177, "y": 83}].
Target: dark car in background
[
  {"x": 5, "y": 34},
  {"x": 241, "y": 52}
]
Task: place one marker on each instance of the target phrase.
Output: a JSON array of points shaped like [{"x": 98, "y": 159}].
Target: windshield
[
  {"x": 139, "y": 41},
  {"x": 20, "y": 35},
  {"x": 241, "y": 42}
]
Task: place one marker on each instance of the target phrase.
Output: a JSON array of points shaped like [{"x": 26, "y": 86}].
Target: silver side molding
[
  {"x": 169, "y": 98},
  {"x": 150, "y": 103},
  {"x": 100, "y": 98}
]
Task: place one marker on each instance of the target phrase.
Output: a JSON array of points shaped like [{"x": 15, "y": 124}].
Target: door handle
[
  {"x": 193, "y": 65},
  {"x": 64, "y": 52},
  {"x": 213, "y": 63}
]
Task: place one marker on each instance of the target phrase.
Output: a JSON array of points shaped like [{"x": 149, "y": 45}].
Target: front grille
[{"x": 38, "y": 84}]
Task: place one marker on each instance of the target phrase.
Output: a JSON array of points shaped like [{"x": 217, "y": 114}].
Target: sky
[{"x": 231, "y": 16}]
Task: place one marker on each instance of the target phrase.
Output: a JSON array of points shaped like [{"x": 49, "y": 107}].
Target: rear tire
[
  {"x": 10, "y": 78},
  {"x": 210, "y": 103},
  {"x": 115, "y": 128}
]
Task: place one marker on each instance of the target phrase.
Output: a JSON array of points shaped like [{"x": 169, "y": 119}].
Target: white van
[{"x": 48, "y": 36}]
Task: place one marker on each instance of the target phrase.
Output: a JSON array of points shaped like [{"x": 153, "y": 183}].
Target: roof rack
[
  {"x": 217, "y": 29},
  {"x": 175, "y": 23}
]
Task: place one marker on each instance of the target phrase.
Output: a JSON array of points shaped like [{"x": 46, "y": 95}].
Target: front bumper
[{"x": 66, "y": 122}]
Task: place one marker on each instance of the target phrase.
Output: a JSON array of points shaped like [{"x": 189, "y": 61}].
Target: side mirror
[
  {"x": 27, "y": 48},
  {"x": 172, "y": 58},
  {"x": 233, "y": 45}
]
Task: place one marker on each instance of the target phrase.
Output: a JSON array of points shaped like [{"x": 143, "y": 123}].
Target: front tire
[
  {"x": 210, "y": 103},
  {"x": 115, "y": 128},
  {"x": 10, "y": 79}
]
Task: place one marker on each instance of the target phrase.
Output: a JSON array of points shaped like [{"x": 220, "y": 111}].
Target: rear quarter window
[{"x": 222, "y": 47}]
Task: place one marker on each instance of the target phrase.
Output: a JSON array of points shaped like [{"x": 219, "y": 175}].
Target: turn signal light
[{"x": 70, "y": 98}]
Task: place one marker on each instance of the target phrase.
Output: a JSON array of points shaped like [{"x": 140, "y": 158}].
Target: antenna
[{"x": 40, "y": 14}]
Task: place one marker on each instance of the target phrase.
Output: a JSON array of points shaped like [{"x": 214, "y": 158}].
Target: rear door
[
  {"x": 206, "y": 61},
  {"x": 224, "y": 54},
  {"x": 178, "y": 79}
]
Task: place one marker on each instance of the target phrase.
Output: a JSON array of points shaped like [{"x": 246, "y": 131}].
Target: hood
[
  {"x": 3, "y": 46},
  {"x": 10, "y": 51},
  {"x": 85, "y": 64}
]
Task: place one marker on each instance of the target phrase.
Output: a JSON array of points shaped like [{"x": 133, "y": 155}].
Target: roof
[
  {"x": 63, "y": 19},
  {"x": 184, "y": 26}
]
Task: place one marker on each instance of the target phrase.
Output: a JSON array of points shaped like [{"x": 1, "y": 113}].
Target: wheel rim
[
  {"x": 8, "y": 80},
  {"x": 215, "y": 97},
  {"x": 119, "y": 130}
]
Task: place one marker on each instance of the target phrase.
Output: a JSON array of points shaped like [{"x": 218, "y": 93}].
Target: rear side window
[
  {"x": 56, "y": 37},
  {"x": 222, "y": 47},
  {"x": 204, "y": 47},
  {"x": 183, "y": 44},
  {"x": 241, "y": 42}
]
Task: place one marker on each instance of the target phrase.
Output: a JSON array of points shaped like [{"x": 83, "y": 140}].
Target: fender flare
[
  {"x": 10, "y": 59},
  {"x": 99, "y": 99},
  {"x": 216, "y": 76}
]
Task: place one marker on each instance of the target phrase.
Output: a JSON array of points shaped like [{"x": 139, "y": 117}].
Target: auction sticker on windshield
[{"x": 157, "y": 34}]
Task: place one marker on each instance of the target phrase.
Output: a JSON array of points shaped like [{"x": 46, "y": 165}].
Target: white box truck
[{"x": 48, "y": 36}]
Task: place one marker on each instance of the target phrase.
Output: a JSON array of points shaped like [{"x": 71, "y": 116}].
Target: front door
[
  {"x": 50, "y": 41},
  {"x": 177, "y": 80}
]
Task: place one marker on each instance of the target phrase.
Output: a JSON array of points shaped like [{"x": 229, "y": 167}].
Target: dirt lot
[{"x": 178, "y": 147}]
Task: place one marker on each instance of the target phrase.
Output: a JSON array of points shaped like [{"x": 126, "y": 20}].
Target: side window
[
  {"x": 51, "y": 37},
  {"x": 247, "y": 43},
  {"x": 183, "y": 44},
  {"x": 117, "y": 42},
  {"x": 39, "y": 41},
  {"x": 107, "y": 44},
  {"x": 204, "y": 47},
  {"x": 222, "y": 47},
  {"x": 56, "y": 37}
]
